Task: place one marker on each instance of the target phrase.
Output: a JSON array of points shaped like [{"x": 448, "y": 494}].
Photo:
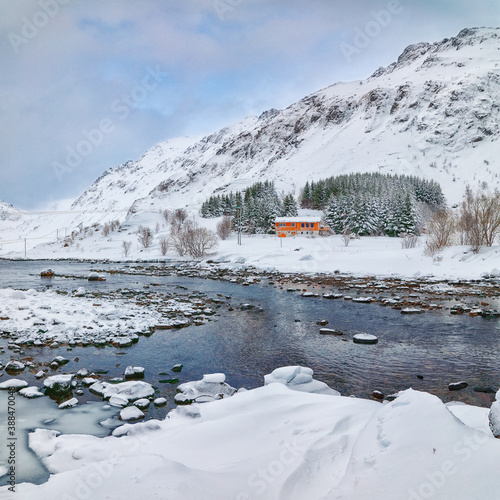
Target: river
[{"x": 425, "y": 351}]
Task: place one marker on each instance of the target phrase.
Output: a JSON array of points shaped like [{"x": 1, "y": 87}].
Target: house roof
[{"x": 298, "y": 219}]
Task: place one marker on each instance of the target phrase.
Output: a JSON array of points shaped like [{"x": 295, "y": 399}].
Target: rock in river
[
  {"x": 457, "y": 386},
  {"x": 330, "y": 331},
  {"x": 364, "y": 338}
]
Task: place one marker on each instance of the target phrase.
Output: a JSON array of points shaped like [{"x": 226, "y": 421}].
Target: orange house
[{"x": 292, "y": 226}]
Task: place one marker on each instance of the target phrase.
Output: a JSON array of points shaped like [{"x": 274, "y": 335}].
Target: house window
[{"x": 302, "y": 224}]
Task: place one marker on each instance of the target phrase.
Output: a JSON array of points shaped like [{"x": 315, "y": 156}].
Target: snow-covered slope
[{"x": 433, "y": 113}]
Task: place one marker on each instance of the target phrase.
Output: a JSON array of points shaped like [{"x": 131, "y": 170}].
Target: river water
[{"x": 426, "y": 351}]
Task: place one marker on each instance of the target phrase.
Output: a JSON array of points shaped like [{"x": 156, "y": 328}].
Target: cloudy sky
[{"x": 88, "y": 84}]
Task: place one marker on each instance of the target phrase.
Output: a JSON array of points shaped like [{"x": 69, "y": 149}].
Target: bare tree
[
  {"x": 145, "y": 236},
  {"x": 178, "y": 242},
  {"x": 179, "y": 216},
  {"x": 224, "y": 227},
  {"x": 157, "y": 228},
  {"x": 196, "y": 241},
  {"x": 490, "y": 217},
  {"x": 164, "y": 245},
  {"x": 479, "y": 218},
  {"x": 126, "y": 245}
]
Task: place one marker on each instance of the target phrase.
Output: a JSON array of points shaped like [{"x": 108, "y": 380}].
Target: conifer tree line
[
  {"x": 317, "y": 195},
  {"x": 254, "y": 209},
  {"x": 363, "y": 204},
  {"x": 374, "y": 203}
]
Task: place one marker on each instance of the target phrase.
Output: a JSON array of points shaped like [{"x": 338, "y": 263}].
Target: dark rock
[
  {"x": 330, "y": 331},
  {"x": 486, "y": 390},
  {"x": 457, "y": 386}
]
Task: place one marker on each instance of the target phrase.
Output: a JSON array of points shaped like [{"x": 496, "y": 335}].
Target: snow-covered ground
[
  {"x": 383, "y": 256},
  {"x": 273, "y": 442}
]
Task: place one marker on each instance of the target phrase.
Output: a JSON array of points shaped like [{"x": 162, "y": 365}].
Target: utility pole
[
  {"x": 57, "y": 235},
  {"x": 239, "y": 225},
  {"x": 24, "y": 247}
]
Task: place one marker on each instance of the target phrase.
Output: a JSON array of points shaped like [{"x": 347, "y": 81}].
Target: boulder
[
  {"x": 209, "y": 388},
  {"x": 134, "y": 372},
  {"x": 365, "y": 338},
  {"x": 13, "y": 383},
  {"x": 70, "y": 403},
  {"x": 457, "y": 386},
  {"x": 14, "y": 367},
  {"x": 31, "y": 392},
  {"x": 131, "y": 413},
  {"x": 131, "y": 390},
  {"x": 330, "y": 331},
  {"x": 298, "y": 378},
  {"x": 58, "y": 384}
]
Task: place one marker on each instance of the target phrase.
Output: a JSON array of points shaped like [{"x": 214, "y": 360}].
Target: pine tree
[
  {"x": 305, "y": 198},
  {"x": 290, "y": 208}
]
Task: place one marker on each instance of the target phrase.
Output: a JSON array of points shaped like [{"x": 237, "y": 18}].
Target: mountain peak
[{"x": 429, "y": 52}]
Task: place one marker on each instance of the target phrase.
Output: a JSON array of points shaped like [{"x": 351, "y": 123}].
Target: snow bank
[
  {"x": 494, "y": 416},
  {"x": 275, "y": 443}
]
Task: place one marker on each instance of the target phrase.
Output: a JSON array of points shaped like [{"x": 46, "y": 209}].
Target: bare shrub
[
  {"x": 145, "y": 236},
  {"x": 164, "y": 245},
  {"x": 157, "y": 228},
  {"x": 346, "y": 236},
  {"x": 194, "y": 241},
  {"x": 166, "y": 215},
  {"x": 479, "y": 218},
  {"x": 469, "y": 221},
  {"x": 126, "y": 245},
  {"x": 441, "y": 228},
  {"x": 224, "y": 227},
  {"x": 110, "y": 226},
  {"x": 408, "y": 240},
  {"x": 431, "y": 248}
]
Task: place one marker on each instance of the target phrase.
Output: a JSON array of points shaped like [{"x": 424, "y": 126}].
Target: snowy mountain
[
  {"x": 433, "y": 113},
  {"x": 8, "y": 211}
]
